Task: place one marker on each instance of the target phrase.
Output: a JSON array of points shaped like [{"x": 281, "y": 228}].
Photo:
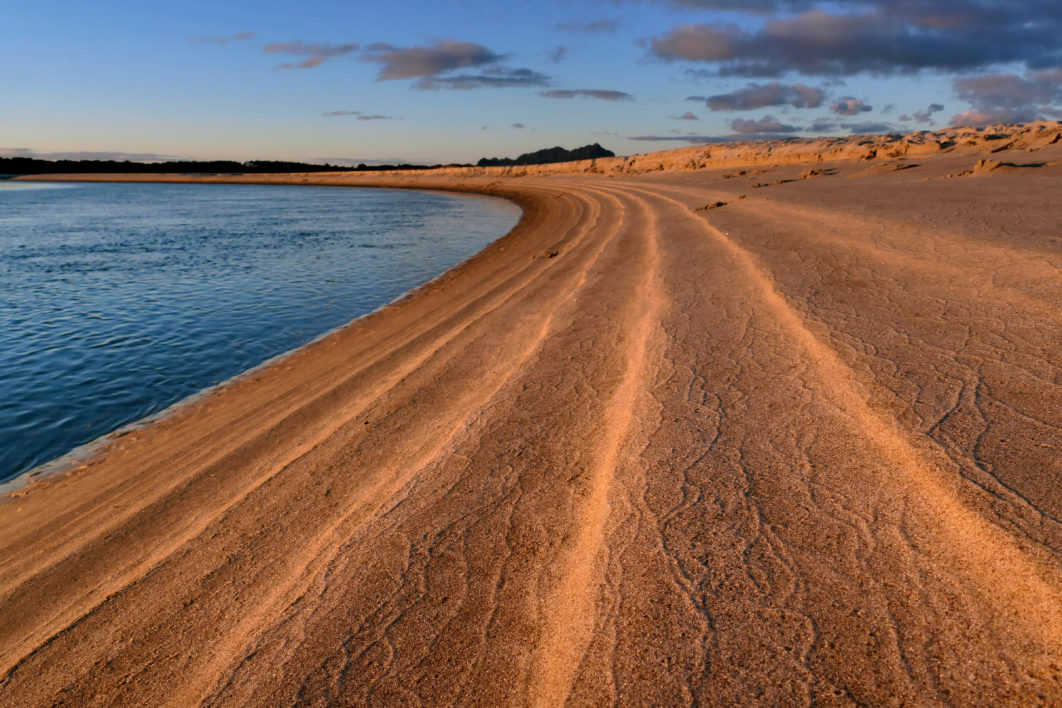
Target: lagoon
[{"x": 118, "y": 300}]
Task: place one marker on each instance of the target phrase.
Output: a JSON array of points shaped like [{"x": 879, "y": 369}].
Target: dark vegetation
[
  {"x": 14, "y": 166},
  {"x": 32, "y": 166},
  {"x": 549, "y": 155}
]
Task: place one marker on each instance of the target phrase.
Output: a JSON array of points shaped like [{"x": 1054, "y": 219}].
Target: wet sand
[{"x": 800, "y": 447}]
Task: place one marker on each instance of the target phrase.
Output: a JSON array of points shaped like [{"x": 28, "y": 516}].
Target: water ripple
[{"x": 119, "y": 300}]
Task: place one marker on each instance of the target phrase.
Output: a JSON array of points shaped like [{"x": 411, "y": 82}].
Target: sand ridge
[{"x": 798, "y": 448}]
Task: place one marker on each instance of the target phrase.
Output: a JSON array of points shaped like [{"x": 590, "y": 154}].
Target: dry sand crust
[{"x": 798, "y": 447}]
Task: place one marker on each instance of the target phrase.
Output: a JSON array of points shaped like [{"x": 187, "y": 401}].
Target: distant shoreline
[{"x": 890, "y": 146}]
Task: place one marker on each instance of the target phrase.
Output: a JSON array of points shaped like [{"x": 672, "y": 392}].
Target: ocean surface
[{"x": 118, "y": 300}]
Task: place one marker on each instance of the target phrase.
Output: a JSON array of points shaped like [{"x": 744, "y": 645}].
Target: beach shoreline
[{"x": 82, "y": 453}]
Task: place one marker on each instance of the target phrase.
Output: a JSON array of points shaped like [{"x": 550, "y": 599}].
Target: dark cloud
[
  {"x": 923, "y": 14},
  {"x": 446, "y": 64},
  {"x": 1008, "y": 98},
  {"x": 925, "y": 116},
  {"x": 751, "y": 6},
  {"x": 876, "y": 36},
  {"x": 433, "y": 66},
  {"x": 822, "y": 126},
  {"x": 316, "y": 54},
  {"x": 588, "y": 27},
  {"x": 676, "y": 138},
  {"x": 518, "y": 126},
  {"x": 600, "y": 94},
  {"x": 867, "y": 127},
  {"x": 767, "y": 124},
  {"x": 996, "y": 115},
  {"x": 357, "y": 114},
  {"x": 756, "y": 96},
  {"x": 491, "y": 77},
  {"x": 428, "y": 61},
  {"x": 222, "y": 40},
  {"x": 850, "y": 107},
  {"x": 558, "y": 54},
  {"x": 686, "y": 116}
]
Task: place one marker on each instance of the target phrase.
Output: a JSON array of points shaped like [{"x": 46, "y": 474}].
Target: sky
[{"x": 424, "y": 81}]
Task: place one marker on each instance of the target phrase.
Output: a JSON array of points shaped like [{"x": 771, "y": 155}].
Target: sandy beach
[{"x": 775, "y": 423}]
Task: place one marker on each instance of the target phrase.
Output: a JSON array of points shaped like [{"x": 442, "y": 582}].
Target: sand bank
[{"x": 783, "y": 433}]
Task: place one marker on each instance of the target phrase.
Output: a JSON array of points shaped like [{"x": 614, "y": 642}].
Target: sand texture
[{"x": 779, "y": 427}]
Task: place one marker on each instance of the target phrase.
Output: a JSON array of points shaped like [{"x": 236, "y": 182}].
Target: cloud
[
  {"x": 698, "y": 43},
  {"x": 767, "y": 124},
  {"x": 997, "y": 115},
  {"x": 822, "y": 126},
  {"x": 867, "y": 127},
  {"x": 446, "y": 64},
  {"x": 688, "y": 115},
  {"x": 926, "y": 14},
  {"x": 428, "y": 61},
  {"x": 1008, "y": 98},
  {"x": 707, "y": 139},
  {"x": 884, "y": 37},
  {"x": 316, "y": 54},
  {"x": 747, "y": 6},
  {"x": 755, "y": 96},
  {"x": 850, "y": 107},
  {"x": 222, "y": 40},
  {"x": 676, "y": 138},
  {"x": 600, "y": 94},
  {"x": 358, "y": 114},
  {"x": 925, "y": 116},
  {"x": 557, "y": 54},
  {"x": 604, "y": 25},
  {"x": 491, "y": 77},
  {"x": 434, "y": 66},
  {"x": 518, "y": 126}
]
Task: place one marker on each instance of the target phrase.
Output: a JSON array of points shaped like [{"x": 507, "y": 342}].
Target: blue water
[{"x": 119, "y": 300}]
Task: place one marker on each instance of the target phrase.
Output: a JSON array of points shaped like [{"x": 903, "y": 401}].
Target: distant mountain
[{"x": 549, "y": 155}]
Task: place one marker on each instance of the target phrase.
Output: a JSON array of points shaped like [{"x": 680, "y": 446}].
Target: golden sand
[{"x": 772, "y": 423}]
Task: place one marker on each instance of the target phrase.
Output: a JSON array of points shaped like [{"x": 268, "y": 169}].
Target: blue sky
[{"x": 437, "y": 82}]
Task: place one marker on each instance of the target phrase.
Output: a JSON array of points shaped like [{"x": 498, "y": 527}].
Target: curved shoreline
[
  {"x": 82, "y": 453},
  {"x": 678, "y": 437}
]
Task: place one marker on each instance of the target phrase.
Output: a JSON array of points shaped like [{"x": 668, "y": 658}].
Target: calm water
[{"x": 119, "y": 300}]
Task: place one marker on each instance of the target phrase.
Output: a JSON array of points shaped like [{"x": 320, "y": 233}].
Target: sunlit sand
[{"x": 720, "y": 424}]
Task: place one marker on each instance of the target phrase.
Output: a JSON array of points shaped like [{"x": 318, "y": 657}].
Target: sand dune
[{"x": 800, "y": 447}]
